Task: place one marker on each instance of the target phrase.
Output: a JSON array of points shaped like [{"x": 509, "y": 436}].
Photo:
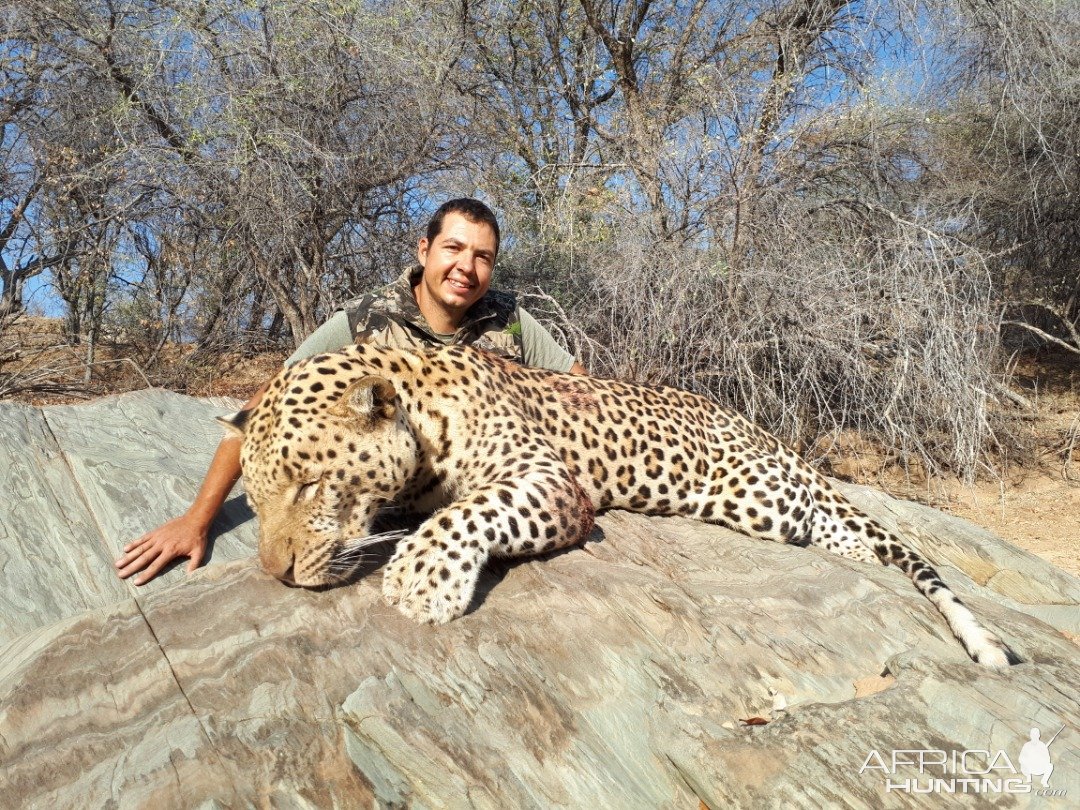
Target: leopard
[{"x": 508, "y": 461}]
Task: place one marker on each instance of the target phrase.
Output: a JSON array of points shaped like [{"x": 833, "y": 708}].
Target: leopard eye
[{"x": 307, "y": 492}]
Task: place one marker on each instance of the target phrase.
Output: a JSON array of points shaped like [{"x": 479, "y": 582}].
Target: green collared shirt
[{"x": 391, "y": 316}]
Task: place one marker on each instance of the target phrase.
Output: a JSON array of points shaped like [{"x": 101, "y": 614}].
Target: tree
[
  {"x": 1007, "y": 147},
  {"x": 282, "y": 127},
  {"x": 726, "y": 198}
]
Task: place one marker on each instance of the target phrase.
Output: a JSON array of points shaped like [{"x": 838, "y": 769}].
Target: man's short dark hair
[{"x": 473, "y": 210}]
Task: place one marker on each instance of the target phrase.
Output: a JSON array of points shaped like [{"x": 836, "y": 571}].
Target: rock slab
[{"x": 616, "y": 674}]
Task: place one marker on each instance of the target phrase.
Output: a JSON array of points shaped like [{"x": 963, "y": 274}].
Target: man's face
[{"x": 457, "y": 263}]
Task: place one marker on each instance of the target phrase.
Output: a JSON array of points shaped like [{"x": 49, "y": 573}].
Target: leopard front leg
[{"x": 433, "y": 574}]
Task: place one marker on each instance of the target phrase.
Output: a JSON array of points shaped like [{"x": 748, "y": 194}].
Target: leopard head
[{"x": 323, "y": 450}]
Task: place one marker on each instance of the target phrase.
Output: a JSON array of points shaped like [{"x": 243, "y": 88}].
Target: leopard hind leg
[
  {"x": 785, "y": 508},
  {"x": 842, "y": 538}
]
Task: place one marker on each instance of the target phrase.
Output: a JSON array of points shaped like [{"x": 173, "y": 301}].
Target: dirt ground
[
  {"x": 1035, "y": 506},
  {"x": 1039, "y": 513}
]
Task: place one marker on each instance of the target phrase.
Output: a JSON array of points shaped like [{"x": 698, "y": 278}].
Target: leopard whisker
[
  {"x": 357, "y": 545},
  {"x": 345, "y": 567}
]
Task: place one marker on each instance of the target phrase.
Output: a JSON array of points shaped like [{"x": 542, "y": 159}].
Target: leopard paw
[
  {"x": 432, "y": 608},
  {"x": 430, "y": 585},
  {"x": 394, "y": 579}
]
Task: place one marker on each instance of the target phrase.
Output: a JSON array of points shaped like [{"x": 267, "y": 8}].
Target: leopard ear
[
  {"x": 235, "y": 423},
  {"x": 368, "y": 398}
]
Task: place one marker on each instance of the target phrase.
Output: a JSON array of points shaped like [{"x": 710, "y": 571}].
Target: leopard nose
[{"x": 279, "y": 564}]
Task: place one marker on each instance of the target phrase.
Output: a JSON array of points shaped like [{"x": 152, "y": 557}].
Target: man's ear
[
  {"x": 368, "y": 398},
  {"x": 236, "y": 423},
  {"x": 422, "y": 248}
]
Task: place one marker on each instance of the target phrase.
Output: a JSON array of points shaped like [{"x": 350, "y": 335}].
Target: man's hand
[
  {"x": 186, "y": 535},
  {"x": 180, "y": 537}
]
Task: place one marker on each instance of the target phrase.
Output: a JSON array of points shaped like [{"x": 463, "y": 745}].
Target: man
[{"x": 441, "y": 301}]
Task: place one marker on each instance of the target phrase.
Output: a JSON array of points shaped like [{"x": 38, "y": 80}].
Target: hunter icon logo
[{"x": 1035, "y": 757}]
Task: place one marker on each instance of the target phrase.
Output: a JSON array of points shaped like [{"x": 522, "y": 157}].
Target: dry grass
[
  {"x": 812, "y": 338},
  {"x": 38, "y": 367}
]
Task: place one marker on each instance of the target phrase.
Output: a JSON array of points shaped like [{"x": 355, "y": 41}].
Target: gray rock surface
[{"x": 611, "y": 675}]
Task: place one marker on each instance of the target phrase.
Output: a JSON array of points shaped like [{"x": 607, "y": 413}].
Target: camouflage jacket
[{"x": 391, "y": 316}]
